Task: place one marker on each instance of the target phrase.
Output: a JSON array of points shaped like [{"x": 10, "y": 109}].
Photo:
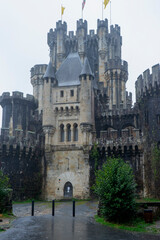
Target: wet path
[{"x": 64, "y": 227}]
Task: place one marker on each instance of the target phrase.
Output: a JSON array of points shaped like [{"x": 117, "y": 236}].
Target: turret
[
  {"x": 102, "y": 32},
  {"x": 116, "y": 76},
  {"x": 48, "y": 122},
  {"x": 51, "y": 40},
  {"x": 114, "y": 40},
  {"x": 37, "y": 73},
  {"x": 86, "y": 102},
  {"x": 17, "y": 114},
  {"x": 82, "y": 38},
  {"x": 61, "y": 30}
]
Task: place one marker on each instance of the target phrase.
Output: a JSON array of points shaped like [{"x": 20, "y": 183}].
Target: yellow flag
[
  {"x": 105, "y": 3},
  {"x": 62, "y": 10}
]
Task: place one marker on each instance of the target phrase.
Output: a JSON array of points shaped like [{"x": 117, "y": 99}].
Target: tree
[
  {"x": 115, "y": 188},
  {"x": 4, "y": 191}
]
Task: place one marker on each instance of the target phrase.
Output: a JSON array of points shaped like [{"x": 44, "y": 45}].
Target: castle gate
[{"x": 68, "y": 190}]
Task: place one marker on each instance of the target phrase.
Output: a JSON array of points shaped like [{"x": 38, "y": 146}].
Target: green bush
[
  {"x": 115, "y": 188},
  {"x": 5, "y": 191}
]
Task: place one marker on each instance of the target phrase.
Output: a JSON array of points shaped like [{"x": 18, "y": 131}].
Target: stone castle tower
[{"x": 80, "y": 98}]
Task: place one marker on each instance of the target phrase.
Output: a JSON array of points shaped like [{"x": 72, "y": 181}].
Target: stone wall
[
  {"x": 24, "y": 169},
  {"x": 66, "y": 164}
]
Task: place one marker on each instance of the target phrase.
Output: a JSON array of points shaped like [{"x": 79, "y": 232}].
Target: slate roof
[
  {"x": 69, "y": 71},
  {"x": 50, "y": 73},
  {"x": 86, "y": 70}
]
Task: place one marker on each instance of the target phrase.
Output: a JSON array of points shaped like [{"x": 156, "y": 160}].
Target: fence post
[
  {"x": 73, "y": 208},
  {"x": 32, "y": 208},
  {"x": 53, "y": 205}
]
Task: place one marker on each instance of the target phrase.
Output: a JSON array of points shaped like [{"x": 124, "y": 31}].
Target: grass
[
  {"x": 5, "y": 225},
  {"x": 56, "y": 201},
  {"x": 7, "y": 215},
  {"x": 25, "y": 201},
  {"x": 137, "y": 226}
]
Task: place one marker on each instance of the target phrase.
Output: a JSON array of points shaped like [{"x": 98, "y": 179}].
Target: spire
[
  {"x": 86, "y": 70},
  {"x": 50, "y": 73}
]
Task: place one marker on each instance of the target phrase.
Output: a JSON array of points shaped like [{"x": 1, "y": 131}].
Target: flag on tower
[
  {"x": 62, "y": 10},
  {"x": 83, "y": 4},
  {"x": 105, "y": 3}
]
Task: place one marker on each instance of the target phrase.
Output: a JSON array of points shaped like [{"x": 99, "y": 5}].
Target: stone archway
[{"x": 68, "y": 190}]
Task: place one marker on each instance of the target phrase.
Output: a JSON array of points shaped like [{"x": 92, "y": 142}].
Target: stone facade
[{"x": 79, "y": 99}]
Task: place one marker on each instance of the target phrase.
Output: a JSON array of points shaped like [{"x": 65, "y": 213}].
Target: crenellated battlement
[
  {"x": 71, "y": 34},
  {"x": 148, "y": 81},
  {"x": 120, "y": 143},
  {"x": 38, "y": 69},
  {"x": 115, "y": 29},
  {"x": 16, "y": 95},
  {"x": 102, "y": 23},
  {"x": 92, "y": 33},
  {"x": 51, "y": 38},
  {"x": 61, "y": 26},
  {"x": 116, "y": 64},
  {"x": 24, "y": 138},
  {"x": 82, "y": 24}
]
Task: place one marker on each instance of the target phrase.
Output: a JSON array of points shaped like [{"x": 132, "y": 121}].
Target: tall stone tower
[
  {"x": 87, "y": 103},
  {"x": 102, "y": 33},
  {"x": 116, "y": 71},
  {"x": 81, "y": 35},
  {"x": 48, "y": 122}
]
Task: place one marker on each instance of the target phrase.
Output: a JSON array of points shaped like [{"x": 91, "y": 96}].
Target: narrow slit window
[
  {"x": 72, "y": 93},
  {"x": 61, "y": 93},
  {"x": 75, "y": 132},
  {"x": 62, "y": 133},
  {"x": 68, "y": 132}
]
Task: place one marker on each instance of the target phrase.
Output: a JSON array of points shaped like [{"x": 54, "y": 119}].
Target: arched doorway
[{"x": 68, "y": 190}]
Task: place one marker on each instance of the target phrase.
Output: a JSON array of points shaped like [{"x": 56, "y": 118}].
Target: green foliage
[
  {"x": 115, "y": 188},
  {"x": 156, "y": 161},
  {"x": 138, "y": 225},
  {"x": 95, "y": 155},
  {"x": 4, "y": 191}
]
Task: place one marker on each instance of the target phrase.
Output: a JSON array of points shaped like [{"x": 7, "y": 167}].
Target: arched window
[
  {"x": 75, "y": 132},
  {"x": 68, "y": 132},
  {"x": 62, "y": 133}
]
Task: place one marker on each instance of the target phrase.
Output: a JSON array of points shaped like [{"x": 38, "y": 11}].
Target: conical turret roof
[
  {"x": 50, "y": 73},
  {"x": 86, "y": 70}
]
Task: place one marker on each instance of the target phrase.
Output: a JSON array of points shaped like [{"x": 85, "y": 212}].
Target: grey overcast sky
[{"x": 24, "y": 26}]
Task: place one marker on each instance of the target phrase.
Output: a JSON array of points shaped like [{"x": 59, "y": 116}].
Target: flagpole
[
  {"x": 110, "y": 13},
  {"x": 61, "y": 12},
  {"x": 102, "y": 9}
]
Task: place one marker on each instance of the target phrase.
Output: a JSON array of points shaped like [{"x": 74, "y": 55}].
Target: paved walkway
[{"x": 64, "y": 227}]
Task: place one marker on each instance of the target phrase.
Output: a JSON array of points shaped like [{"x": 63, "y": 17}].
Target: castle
[{"x": 80, "y": 99}]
